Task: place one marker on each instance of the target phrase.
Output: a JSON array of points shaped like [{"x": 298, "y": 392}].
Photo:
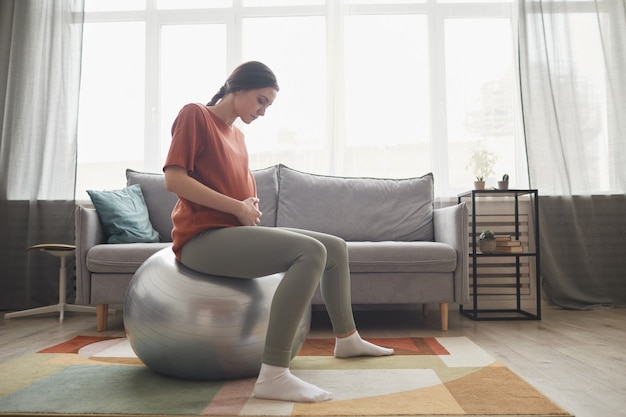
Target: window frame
[{"x": 334, "y": 11}]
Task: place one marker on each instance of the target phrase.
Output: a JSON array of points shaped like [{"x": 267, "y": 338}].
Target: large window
[{"x": 368, "y": 88}]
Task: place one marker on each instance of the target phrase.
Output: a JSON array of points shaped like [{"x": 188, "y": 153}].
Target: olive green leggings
[{"x": 304, "y": 256}]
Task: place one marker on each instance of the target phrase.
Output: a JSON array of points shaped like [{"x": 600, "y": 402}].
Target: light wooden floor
[{"x": 576, "y": 358}]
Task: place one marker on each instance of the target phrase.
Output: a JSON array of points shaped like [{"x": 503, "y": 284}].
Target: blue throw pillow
[{"x": 124, "y": 215}]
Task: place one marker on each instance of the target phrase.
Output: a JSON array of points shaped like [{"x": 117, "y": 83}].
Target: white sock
[
  {"x": 277, "y": 383},
  {"x": 353, "y": 345}
]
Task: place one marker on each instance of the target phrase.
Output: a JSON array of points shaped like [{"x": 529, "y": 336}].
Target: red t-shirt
[{"x": 215, "y": 154}]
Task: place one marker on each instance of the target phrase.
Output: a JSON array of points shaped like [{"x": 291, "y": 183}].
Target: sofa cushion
[
  {"x": 357, "y": 209},
  {"x": 267, "y": 191},
  {"x": 397, "y": 257},
  {"x": 159, "y": 201},
  {"x": 124, "y": 215},
  {"x": 124, "y": 258}
]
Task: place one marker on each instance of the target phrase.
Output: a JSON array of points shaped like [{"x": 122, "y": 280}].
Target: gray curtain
[
  {"x": 573, "y": 83},
  {"x": 40, "y": 60}
]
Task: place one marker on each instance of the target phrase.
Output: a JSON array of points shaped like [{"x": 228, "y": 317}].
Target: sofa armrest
[
  {"x": 89, "y": 233},
  {"x": 451, "y": 227}
]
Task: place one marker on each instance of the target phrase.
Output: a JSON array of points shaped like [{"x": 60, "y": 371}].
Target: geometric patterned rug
[{"x": 443, "y": 376}]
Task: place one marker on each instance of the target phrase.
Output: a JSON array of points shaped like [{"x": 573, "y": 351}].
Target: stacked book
[{"x": 505, "y": 244}]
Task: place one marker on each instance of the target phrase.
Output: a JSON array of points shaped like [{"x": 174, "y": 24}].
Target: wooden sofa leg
[
  {"x": 102, "y": 317},
  {"x": 443, "y": 308}
]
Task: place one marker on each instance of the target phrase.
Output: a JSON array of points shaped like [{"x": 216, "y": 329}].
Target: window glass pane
[
  {"x": 293, "y": 130},
  {"x": 188, "y": 75},
  {"x": 193, "y": 4},
  {"x": 387, "y": 95},
  {"x": 480, "y": 97},
  {"x": 111, "y": 122},
  {"x": 474, "y": 1},
  {"x": 383, "y": 2},
  {"x": 264, "y": 3},
  {"x": 114, "y": 5}
]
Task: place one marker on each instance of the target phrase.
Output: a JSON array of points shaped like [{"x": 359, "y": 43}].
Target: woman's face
[{"x": 251, "y": 104}]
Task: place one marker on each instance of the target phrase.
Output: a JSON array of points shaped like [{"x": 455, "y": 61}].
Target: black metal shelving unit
[{"x": 517, "y": 313}]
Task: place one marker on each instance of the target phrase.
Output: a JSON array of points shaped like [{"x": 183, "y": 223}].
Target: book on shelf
[
  {"x": 503, "y": 238},
  {"x": 508, "y": 243},
  {"x": 509, "y": 249}
]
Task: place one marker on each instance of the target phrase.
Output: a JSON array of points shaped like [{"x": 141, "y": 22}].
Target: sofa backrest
[
  {"x": 267, "y": 191},
  {"x": 160, "y": 202},
  {"x": 355, "y": 209}
]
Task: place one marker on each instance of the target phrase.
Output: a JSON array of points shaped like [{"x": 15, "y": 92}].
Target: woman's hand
[{"x": 250, "y": 214}]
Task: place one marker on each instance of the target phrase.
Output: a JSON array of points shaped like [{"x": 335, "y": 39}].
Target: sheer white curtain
[
  {"x": 574, "y": 95},
  {"x": 573, "y": 79},
  {"x": 40, "y": 57}
]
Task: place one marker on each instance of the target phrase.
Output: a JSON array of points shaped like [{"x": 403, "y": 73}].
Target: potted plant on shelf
[
  {"x": 504, "y": 184},
  {"x": 481, "y": 164},
  {"x": 487, "y": 241}
]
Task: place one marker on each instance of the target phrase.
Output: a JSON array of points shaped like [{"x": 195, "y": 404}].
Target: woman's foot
[
  {"x": 353, "y": 345},
  {"x": 277, "y": 383}
]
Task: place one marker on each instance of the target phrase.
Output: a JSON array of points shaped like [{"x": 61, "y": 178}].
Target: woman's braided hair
[{"x": 250, "y": 75}]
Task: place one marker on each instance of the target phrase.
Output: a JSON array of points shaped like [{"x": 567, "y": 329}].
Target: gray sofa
[{"x": 402, "y": 250}]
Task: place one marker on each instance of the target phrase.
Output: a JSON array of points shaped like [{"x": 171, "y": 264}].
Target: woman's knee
[
  {"x": 336, "y": 247},
  {"x": 314, "y": 250}
]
